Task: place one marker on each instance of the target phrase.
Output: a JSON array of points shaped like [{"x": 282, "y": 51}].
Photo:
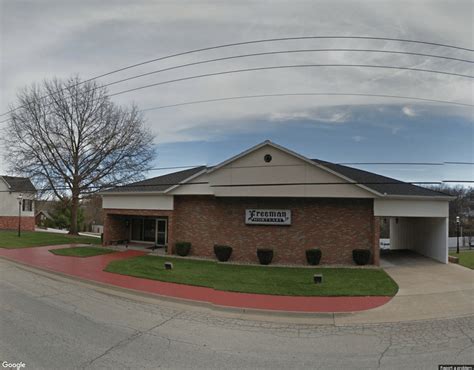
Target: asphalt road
[{"x": 49, "y": 322}]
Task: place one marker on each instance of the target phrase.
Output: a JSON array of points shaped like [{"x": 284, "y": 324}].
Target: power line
[
  {"x": 253, "y": 42},
  {"x": 286, "y": 67},
  {"x": 291, "y": 66},
  {"x": 284, "y": 52},
  {"x": 339, "y": 163},
  {"x": 395, "y": 182},
  {"x": 305, "y": 94},
  {"x": 241, "y": 97},
  {"x": 459, "y": 163}
]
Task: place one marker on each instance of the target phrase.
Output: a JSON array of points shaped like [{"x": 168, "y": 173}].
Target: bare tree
[{"x": 72, "y": 140}]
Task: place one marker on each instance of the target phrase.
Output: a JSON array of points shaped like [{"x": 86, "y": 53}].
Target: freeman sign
[{"x": 268, "y": 217}]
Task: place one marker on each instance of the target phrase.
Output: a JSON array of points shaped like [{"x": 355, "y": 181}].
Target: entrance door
[
  {"x": 149, "y": 227},
  {"x": 161, "y": 231}
]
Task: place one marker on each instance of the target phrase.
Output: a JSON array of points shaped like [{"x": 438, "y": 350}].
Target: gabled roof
[
  {"x": 19, "y": 184},
  {"x": 157, "y": 184},
  {"x": 372, "y": 182},
  {"x": 45, "y": 213}
]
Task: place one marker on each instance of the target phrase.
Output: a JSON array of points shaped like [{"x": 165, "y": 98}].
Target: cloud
[
  {"x": 408, "y": 111},
  {"x": 90, "y": 38},
  {"x": 322, "y": 115},
  {"x": 358, "y": 138}
]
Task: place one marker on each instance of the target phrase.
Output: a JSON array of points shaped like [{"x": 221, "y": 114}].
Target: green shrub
[
  {"x": 313, "y": 256},
  {"x": 223, "y": 252},
  {"x": 183, "y": 248},
  {"x": 265, "y": 255},
  {"x": 361, "y": 256}
]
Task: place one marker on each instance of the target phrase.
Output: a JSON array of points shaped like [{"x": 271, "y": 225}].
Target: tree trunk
[{"x": 74, "y": 211}]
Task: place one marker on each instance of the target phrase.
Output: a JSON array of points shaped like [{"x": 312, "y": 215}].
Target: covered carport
[{"x": 419, "y": 224}]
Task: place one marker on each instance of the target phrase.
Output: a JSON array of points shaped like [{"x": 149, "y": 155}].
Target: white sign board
[{"x": 268, "y": 216}]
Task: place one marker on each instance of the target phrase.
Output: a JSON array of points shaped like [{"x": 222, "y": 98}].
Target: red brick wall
[
  {"x": 336, "y": 226},
  {"x": 11, "y": 223}
]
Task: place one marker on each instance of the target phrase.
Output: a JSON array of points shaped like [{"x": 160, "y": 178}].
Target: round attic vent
[{"x": 267, "y": 158}]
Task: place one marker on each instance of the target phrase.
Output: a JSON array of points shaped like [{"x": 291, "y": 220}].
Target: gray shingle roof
[
  {"x": 379, "y": 183},
  {"x": 19, "y": 184},
  {"x": 159, "y": 183}
]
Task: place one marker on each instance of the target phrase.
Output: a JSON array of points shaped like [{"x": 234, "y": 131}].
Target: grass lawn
[
  {"x": 466, "y": 258},
  {"x": 81, "y": 251},
  {"x": 259, "y": 279},
  {"x": 10, "y": 239}
]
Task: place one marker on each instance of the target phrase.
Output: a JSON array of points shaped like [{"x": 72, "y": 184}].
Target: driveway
[{"x": 427, "y": 289}]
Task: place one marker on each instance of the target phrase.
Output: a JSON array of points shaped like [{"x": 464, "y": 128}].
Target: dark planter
[
  {"x": 265, "y": 256},
  {"x": 361, "y": 256},
  {"x": 313, "y": 256},
  {"x": 222, "y": 252},
  {"x": 183, "y": 248}
]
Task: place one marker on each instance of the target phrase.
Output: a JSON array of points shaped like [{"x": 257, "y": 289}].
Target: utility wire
[
  {"x": 340, "y": 163},
  {"x": 124, "y": 187},
  {"x": 410, "y": 41},
  {"x": 242, "y": 97},
  {"x": 286, "y": 67},
  {"x": 304, "y": 94},
  {"x": 282, "y": 52},
  {"x": 283, "y": 67}
]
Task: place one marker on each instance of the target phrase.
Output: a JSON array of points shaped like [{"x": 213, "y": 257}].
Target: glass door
[
  {"x": 149, "y": 227},
  {"x": 161, "y": 231}
]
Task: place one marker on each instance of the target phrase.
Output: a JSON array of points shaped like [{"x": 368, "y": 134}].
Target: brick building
[
  {"x": 17, "y": 196},
  {"x": 271, "y": 197}
]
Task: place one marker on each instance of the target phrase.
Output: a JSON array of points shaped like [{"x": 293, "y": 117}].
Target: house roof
[
  {"x": 378, "y": 184},
  {"x": 381, "y": 184},
  {"x": 157, "y": 184},
  {"x": 45, "y": 213},
  {"x": 19, "y": 184}
]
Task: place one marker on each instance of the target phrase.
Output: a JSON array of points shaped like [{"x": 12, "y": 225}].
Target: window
[{"x": 27, "y": 205}]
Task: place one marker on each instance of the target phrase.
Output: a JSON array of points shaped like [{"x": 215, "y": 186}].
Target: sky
[{"x": 45, "y": 39}]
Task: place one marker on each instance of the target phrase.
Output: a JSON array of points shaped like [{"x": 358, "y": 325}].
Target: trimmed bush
[
  {"x": 265, "y": 256},
  {"x": 361, "y": 256},
  {"x": 222, "y": 252},
  {"x": 313, "y": 256},
  {"x": 183, "y": 248}
]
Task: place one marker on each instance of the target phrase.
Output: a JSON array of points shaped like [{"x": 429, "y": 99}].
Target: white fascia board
[
  {"x": 421, "y": 197},
  {"x": 104, "y": 194},
  {"x": 186, "y": 180},
  {"x": 6, "y": 182}
]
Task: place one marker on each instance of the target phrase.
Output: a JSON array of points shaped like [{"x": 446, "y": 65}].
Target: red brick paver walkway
[{"x": 91, "y": 268}]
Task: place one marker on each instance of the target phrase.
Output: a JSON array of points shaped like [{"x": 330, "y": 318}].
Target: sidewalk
[{"x": 91, "y": 268}]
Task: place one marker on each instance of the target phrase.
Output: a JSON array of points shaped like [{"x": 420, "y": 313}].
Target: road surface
[{"x": 50, "y": 322}]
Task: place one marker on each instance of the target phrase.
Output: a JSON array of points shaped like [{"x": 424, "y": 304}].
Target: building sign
[{"x": 268, "y": 216}]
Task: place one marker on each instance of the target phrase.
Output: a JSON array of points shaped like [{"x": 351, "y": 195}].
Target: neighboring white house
[{"x": 17, "y": 196}]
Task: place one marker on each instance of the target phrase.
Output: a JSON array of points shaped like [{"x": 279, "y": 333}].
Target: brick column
[
  {"x": 376, "y": 241},
  {"x": 114, "y": 229},
  {"x": 171, "y": 236}
]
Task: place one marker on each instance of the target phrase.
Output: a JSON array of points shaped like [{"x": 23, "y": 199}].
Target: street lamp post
[
  {"x": 458, "y": 222},
  {"x": 20, "y": 198}
]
